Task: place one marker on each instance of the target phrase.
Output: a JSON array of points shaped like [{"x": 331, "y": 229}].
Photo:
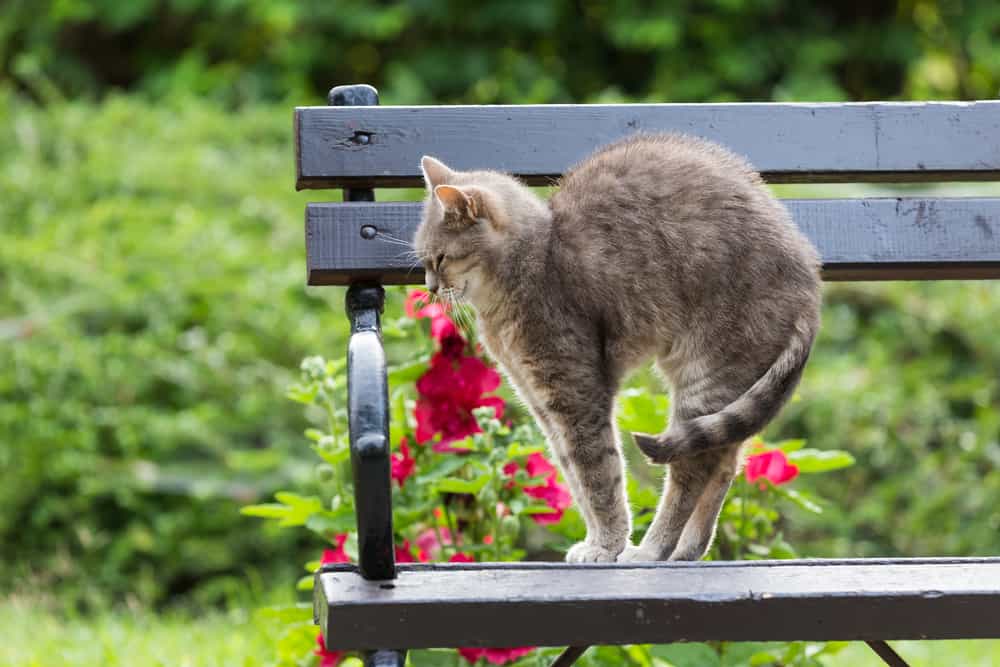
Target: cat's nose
[{"x": 431, "y": 281}]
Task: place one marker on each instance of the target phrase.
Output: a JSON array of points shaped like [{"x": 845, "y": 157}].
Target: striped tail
[{"x": 742, "y": 418}]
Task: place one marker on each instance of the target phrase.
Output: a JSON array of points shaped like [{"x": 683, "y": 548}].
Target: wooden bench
[{"x": 384, "y": 609}]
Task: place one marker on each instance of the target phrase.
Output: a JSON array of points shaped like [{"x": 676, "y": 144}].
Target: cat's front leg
[{"x": 592, "y": 453}]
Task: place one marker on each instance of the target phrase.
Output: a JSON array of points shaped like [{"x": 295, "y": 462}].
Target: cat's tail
[{"x": 746, "y": 415}]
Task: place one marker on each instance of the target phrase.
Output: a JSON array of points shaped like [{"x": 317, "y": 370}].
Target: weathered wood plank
[
  {"x": 559, "y": 605},
  {"x": 859, "y": 239},
  {"x": 887, "y": 141}
]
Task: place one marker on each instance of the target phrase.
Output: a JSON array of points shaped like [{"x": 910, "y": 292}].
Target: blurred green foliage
[
  {"x": 446, "y": 51},
  {"x": 152, "y": 310}
]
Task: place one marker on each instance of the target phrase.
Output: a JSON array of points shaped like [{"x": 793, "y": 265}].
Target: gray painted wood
[
  {"x": 897, "y": 141},
  {"x": 559, "y": 605},
  {"x": 859, "y": 239}
]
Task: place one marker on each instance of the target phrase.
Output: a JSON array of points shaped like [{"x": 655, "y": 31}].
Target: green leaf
[
  {"x": 305, "y": 583},
  {"x": 408, "y": 372},
  {"x": 518, "y": 450},
  {"x": 640, "y": 410},
  {"x": 287, "y": 613},
  {"x": 444, "y": 467},
  {"x": 536, "y": 509},
  {"x": 300, "y": 508},
  {"x": 818, "y": 460},
  {"x": 303, "y": 394},
  {"x": 266, "y": 511},
  {"x": 432, "y": 658},
  {"x": 788, "y": 446},
  {"x": 334, "y": 456},
  {"x": 329, "y": 523},
  {"x": 801, "y": 499},
  {"x": 687, "y": 655},
  {"x": 459, "y": 485}
]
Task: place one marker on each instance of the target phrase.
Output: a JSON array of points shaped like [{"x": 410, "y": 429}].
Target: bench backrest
[{"x": 364, "y": 147}]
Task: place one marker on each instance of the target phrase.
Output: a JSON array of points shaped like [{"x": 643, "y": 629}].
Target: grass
[{"x": 35, "y": 635}]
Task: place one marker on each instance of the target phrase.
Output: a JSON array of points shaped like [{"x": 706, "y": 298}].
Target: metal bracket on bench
[{"x": 368, "y": 412}]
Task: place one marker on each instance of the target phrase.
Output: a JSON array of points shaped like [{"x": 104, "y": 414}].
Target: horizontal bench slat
[
  {"x": 859, "y": 239},
  {"x": 877, "y": 141},
  {"x": 559, "y": 605}
]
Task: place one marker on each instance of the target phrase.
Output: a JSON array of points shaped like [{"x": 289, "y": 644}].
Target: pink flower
[
  {"x": 494, "y": 656},
  {"x": 414, "y": 300},
  {"x": 428, "y": 543},
  {"x": 402, "y": 463},
  {"x": 555, "y": 496},
  {"x": 327, "y": 658},
  {"x": 336, "y": 555},
  {"x": 772, "y": 465},
  {"x": 461, "y": 558},
  {"x": 551, "y": 491}
]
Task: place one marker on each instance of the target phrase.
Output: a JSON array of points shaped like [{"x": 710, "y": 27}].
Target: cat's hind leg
[
  {"x": 699, "y": 532},
  {"x": 683, "y": 486}
]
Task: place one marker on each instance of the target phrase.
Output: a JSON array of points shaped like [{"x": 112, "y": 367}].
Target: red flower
[
  {"x": 443, "y": 329},
  {"x": 537, "y": 465},
  {"x": 336, "y": 555},
  {"x": 404, "y": 554},
  {"x": 449, "y": 391},
  {"x": 327, "y": 658},
  {"x": 495, "y": 656},
  {"x": 772, "y": 465},
  {"x": 402, "y": 463},
  {"x": 461, "y": 558}
]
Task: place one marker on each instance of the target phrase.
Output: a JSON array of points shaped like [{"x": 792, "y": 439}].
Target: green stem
[
  {"x": 451, "y": 528},
  {"x": 743, "y": 520}
]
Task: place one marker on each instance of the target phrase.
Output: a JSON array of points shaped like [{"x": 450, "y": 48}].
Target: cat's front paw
[
  {"x": 585, "y": 552},
  {"x": 634, "y": 554}
]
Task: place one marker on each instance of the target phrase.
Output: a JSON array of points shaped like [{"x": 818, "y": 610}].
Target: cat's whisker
[{"x": 393, "y": 240}]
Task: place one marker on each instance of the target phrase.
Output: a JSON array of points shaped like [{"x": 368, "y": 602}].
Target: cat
[{"x": 658, "y": 246}]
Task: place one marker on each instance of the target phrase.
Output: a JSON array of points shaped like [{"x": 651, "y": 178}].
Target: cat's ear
[
  {"x": 435, "y": 171},
  {"x": 469, "y": 202},
  {"x": 463, "y": 200}
]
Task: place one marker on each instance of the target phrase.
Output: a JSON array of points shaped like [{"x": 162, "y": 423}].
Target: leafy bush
[
  {"x": 501, "y": 51},
  {"x": 151, "y": 306},
  {"x": 471, "y": 483}
]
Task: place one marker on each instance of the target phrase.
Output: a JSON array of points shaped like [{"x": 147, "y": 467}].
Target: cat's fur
[{"x": 660, "y": 247}]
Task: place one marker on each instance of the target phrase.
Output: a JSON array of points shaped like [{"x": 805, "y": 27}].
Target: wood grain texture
[
  {"x": 557, "y": 604},
  {"x": 832, "y": 142},
  {"x": 858, "y": 239}
]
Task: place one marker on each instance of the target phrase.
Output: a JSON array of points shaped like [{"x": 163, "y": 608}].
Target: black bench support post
[{"x": 368, "y": 409}]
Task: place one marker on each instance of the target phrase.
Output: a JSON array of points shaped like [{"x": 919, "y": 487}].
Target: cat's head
[{"x": 468, "y": 222}]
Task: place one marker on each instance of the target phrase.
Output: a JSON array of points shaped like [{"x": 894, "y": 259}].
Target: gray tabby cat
[{"x": 657, "y": 247}]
